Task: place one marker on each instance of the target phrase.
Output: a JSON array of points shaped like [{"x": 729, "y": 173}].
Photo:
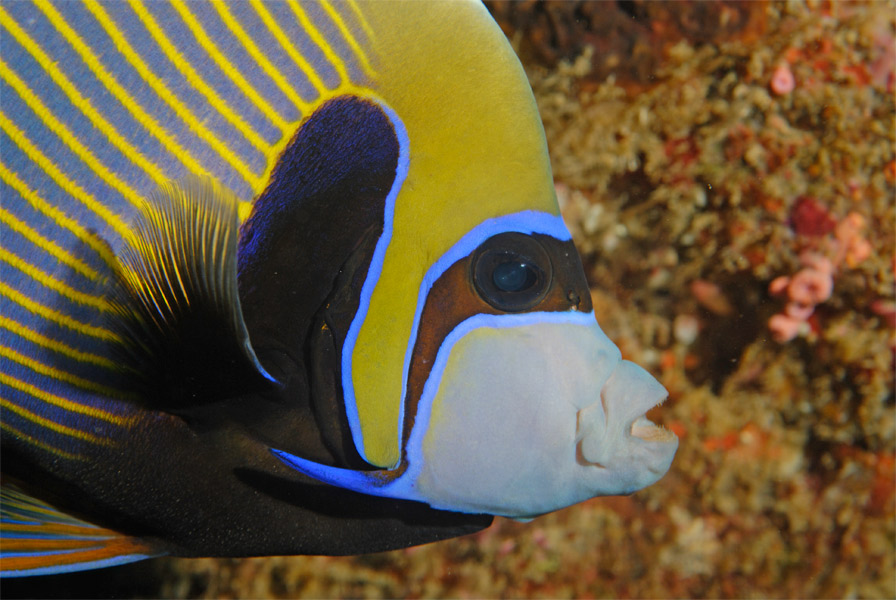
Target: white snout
[
  {"x": 616, "y": 435},
  {"x": 533, "y": 413}
]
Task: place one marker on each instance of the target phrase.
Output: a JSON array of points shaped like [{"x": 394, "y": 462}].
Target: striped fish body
[{"x": 285, "y": 278}]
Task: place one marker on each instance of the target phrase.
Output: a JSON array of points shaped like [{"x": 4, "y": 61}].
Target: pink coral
[
  {"x": 810, "y": 286},
  {"x": 784, "y": 328},
  {"x": 782, "y": 82},
  {"x": 814, "y": 282}
]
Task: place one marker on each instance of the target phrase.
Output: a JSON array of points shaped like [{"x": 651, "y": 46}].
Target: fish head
[
  {"x": 524, "y": 413},
  {"x": 473, "y": 374},
  {"x": 514, "y": 402}
]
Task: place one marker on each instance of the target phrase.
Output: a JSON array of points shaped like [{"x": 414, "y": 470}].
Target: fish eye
[
  {"x": 514, "y": 276},
  {"x": 511, "y": 271}
]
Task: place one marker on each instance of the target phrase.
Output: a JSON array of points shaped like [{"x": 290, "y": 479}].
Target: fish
[{"x": 288, "y": 278}]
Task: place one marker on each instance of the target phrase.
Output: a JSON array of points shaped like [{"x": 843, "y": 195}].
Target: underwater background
[{"x": 727, "y": 170}]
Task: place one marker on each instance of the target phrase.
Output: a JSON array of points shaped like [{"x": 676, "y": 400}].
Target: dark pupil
[{"x": 513, "y": 276}]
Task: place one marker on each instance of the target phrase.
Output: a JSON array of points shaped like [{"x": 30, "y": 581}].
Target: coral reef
[{"x": 721, "y": 166}]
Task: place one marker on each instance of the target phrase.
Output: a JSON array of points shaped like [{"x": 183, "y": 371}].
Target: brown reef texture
[{"x": 701, "y": 151}]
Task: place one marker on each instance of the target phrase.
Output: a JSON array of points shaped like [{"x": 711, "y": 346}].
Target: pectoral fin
[{"x": 176, "y": 300}]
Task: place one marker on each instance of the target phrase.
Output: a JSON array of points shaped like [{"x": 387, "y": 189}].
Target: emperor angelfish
[{"x": 288, "y": 278}]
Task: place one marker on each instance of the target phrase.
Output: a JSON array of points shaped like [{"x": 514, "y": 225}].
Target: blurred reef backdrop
[{"x": 727, "y": 170}]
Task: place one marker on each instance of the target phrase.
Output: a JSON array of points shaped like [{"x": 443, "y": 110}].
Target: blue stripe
[
  {"x": 236, "y": 54},
  {"x": 146, "y": 47},
  {"x": 373, "y": 276},
  {"x": 181, "y": 36},
  {"x": 323, "y": 23}
]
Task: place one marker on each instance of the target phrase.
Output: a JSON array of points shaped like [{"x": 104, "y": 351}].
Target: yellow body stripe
[
  {"x": 48, "y": 246},
  {"x": 349, "y": 38},
  {"x": 63, "y": 403},
  {"x": 56, "y": 215},
  {"x": 51, "y": 282},
  {"x": 187, "y": 70},
  {"x": 169, "y": 97},
  {"x": 44, "y": 422},
  {"x": 319, "y": 39},
  {"x": 70, "y": 187},
  {"x": 79, "y": 382},
  {"x": 51, "y": 68},
  {"x": 371, "y": 35},
  {"x": 66, "y": 135},
  {"x": 55, "y": 316},
  {"x": 209, "y": 46},
  {"x": 152, "y": 126},
  {"x": 288, "y": 46},
  {"x": 10, "y": 430},
  {"x": 259, "y": 57},
  {"x": 54, "y": 345}
]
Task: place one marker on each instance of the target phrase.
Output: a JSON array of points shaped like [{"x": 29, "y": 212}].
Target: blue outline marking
[
  {"x": 526, "y": 222},
  {"x": 373, "y": 275}
]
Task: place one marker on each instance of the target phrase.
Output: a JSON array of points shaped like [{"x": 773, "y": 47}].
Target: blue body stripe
[{"x": 373, "y": 275}]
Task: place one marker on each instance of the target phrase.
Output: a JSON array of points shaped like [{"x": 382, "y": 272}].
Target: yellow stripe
[
  {"x": 216, "y": 55},
  {"x": 47, "y": 423},
  {"x": 371, "y": 35},
  {"x": 148, "y": 122},
  {"x": 349, "y": 38},
  {"x": 51, "y": 68},
  {"x": 169, "y": 97},
  {"x": 51, "y": 282},
  {"x": 54, "y": 345},
  {"x": 10, "y": 430},
  {"x": 66, "y": 135},
  {"x": 47, "y": 370},
  {"x": 319, "y": 39},
  {"x": 57, "y": 215},
  {"x": 46, "y": 245},
  {"x": 54, "y": 316},
  {"x": 288, "y": 46},
  {"x": 70, "y": 187},
  {"x": 65, "y": 404},
  {"x": 195, "y": 79},
  {"x": 259, "y": 56}
]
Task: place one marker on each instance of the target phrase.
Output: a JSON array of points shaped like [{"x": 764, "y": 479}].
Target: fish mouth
[
  {"x": 645, "y": 429},
  {"x": 617, "y": 426}
]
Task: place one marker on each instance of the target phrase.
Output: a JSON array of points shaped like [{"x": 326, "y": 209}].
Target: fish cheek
[
  {"x": 502, "y": 432},
  {"x": 454, "y": 297}
]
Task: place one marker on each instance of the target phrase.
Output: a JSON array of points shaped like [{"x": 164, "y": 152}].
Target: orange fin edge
[{"x": 38, "y": 539}]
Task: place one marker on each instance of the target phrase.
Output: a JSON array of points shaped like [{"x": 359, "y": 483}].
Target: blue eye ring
[{"x": 511, "y": 271}]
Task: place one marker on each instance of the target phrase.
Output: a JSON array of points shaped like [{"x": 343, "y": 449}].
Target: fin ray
[{"x": 177, "y": 303}]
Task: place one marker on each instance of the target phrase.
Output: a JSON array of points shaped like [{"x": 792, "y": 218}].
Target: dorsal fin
[
  {"x": 39, "y": 539},
  {"x": 176, "y": 298}
]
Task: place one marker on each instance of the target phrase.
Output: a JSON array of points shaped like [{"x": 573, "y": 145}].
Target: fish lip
[
  {"x": 647, "y": 431},
  {"x": 625, "y": 423},
  {"x": 635, "y": 424}
]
